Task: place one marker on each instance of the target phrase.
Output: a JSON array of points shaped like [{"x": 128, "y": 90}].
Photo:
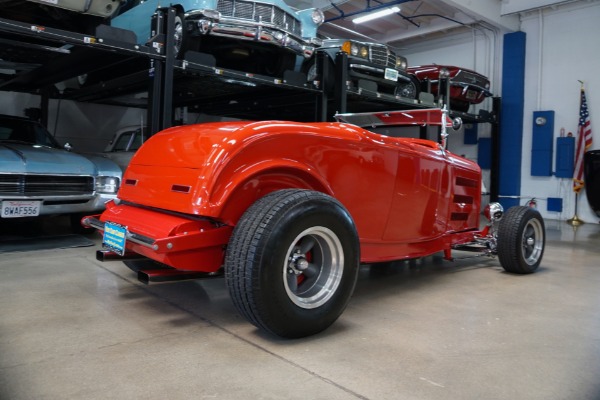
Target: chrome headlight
[
  {"x": 494, "y": 212},
  {"x": 457, "y": 123},
  {"x": 212, "y": 14},
  {"x": 107, "y": 184},
  {"x": 354, "y": 49},
  {"x": 317, "y": 16}
]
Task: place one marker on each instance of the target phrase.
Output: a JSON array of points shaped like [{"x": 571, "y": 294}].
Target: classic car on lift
[
  {"x": 38, "y": 177},
  {"x": 288, "y": 211},
  {"x": 77, "y": 15},
  {"x": 263, "y": 37},
  {"x": 371, "y": 66},
  {"x": 466, "y": 87}
]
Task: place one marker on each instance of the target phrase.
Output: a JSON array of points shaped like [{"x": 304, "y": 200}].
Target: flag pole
[{"x": 575, "y": 220}]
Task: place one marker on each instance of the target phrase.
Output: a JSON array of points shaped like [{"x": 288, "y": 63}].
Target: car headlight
[
  {"x": 494, "y": 212},
  {"x": 317, "y": 16},
  {"x": 212, "y": 14},
  {"x": 364, "y": 52},
  {"x": 107, "y": 184},
  {"x": 401, "y": 63},
  {"x": 355, "y": 49}
]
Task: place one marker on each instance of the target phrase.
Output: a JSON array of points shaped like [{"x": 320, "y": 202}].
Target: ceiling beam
[{"x": 489, "y": 11}]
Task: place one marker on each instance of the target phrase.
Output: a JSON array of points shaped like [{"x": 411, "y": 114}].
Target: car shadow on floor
[{"x": 41, "y": 233}]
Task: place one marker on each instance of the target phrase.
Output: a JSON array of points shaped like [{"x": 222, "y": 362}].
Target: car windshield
[
  {"x": 23, "y": 131},
  {"x": 129, "y": 141}
]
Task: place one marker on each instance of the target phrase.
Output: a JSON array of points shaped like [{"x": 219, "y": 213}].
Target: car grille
[
  {"x": 258, "y": 12},
  {"x": 470, "y": 78},
  {"x": 383, "y": 56},
  {"x": 45, "y": 185}
]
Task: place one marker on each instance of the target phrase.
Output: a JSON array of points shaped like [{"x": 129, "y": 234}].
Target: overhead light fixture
[{"x": 376, "y": 14}]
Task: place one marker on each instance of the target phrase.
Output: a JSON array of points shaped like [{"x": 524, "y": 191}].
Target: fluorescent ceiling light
[{"x": 376, "y": 14}]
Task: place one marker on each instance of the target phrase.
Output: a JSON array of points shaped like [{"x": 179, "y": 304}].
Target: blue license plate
[{"x": 114, "y": 237}]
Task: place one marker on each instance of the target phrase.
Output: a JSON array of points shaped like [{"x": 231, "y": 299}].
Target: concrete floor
[{"x": 75, "y": 328}]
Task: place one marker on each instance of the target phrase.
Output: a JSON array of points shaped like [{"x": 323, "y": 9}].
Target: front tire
[
  {"x": 292, "y": 262},
  {"x": 312, "y": 74},
  {"x": 521, "y": 240},
  {"x": 180, "y": 37},
  {"x": 409, "y": 90}
]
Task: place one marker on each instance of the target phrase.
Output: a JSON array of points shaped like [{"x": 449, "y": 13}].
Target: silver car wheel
[{"x": 314, "y": 267}]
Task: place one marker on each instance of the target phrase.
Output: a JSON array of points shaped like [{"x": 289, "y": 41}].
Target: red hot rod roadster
[{"x": 288, "y": 211}]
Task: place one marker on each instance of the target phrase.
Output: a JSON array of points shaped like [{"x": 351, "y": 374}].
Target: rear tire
[
  {"x": 521, "y": 240},
  {"x": 292, "y": 262}
]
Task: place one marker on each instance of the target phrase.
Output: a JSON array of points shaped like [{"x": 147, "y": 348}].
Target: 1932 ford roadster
[{"x": 288, "y": 211}]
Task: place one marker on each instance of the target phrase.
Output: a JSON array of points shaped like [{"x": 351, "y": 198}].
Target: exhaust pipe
[
  {"x": 107, "y": 255},
  {"x": 156, "y": 272},
  {"x": 170, "y": 275}
]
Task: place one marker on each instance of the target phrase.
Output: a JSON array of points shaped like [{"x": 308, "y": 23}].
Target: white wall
[{"x": 570, "y": 51}]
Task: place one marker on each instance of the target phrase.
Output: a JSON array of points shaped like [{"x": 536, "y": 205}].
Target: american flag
[{"x": 584, "y": 141}]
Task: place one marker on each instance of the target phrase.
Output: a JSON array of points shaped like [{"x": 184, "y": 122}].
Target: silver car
[
  {"x": 124, "y": 144},
  {"x": 38, "y": 177}
]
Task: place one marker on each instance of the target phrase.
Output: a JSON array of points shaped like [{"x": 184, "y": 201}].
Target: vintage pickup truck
[{"x": 288, "y": 211}]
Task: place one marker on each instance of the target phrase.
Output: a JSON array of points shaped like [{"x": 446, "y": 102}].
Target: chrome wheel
[
  {"x": 178, "y": 35},
  {"x": 314, "y": 267},
  {"x": 521, "y": 240},
  {"x": 532, "y": 241},
  {"x": 292, "y": 262},
  {"x": 408, "y": 90}
]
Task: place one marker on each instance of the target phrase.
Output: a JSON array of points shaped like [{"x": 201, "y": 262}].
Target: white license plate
[
  {"x": 114, "y": 237},
  {"x": 391, "y": 74},
  {"x": 20, "y": 208},
  {"x": 471, "y": 94}
]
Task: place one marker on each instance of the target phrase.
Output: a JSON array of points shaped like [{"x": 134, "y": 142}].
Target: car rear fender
[{"x": 235, "y": 193}]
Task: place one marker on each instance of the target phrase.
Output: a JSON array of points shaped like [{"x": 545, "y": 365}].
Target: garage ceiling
[{"x": 421, "y": 19}]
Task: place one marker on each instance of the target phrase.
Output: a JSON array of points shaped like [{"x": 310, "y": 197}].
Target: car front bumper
[
  {"x": 202, "y": 24},
  {"x": 58, "y": 205}
]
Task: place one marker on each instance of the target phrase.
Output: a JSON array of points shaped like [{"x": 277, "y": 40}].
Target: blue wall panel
[
  {"x": 565, "y": 157},
  {"x": 511, "y": 119},
  {"x": 555, "y": 204},
  {"x": 542, "y": 143},
  {"x": 470, "y": 133}
]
